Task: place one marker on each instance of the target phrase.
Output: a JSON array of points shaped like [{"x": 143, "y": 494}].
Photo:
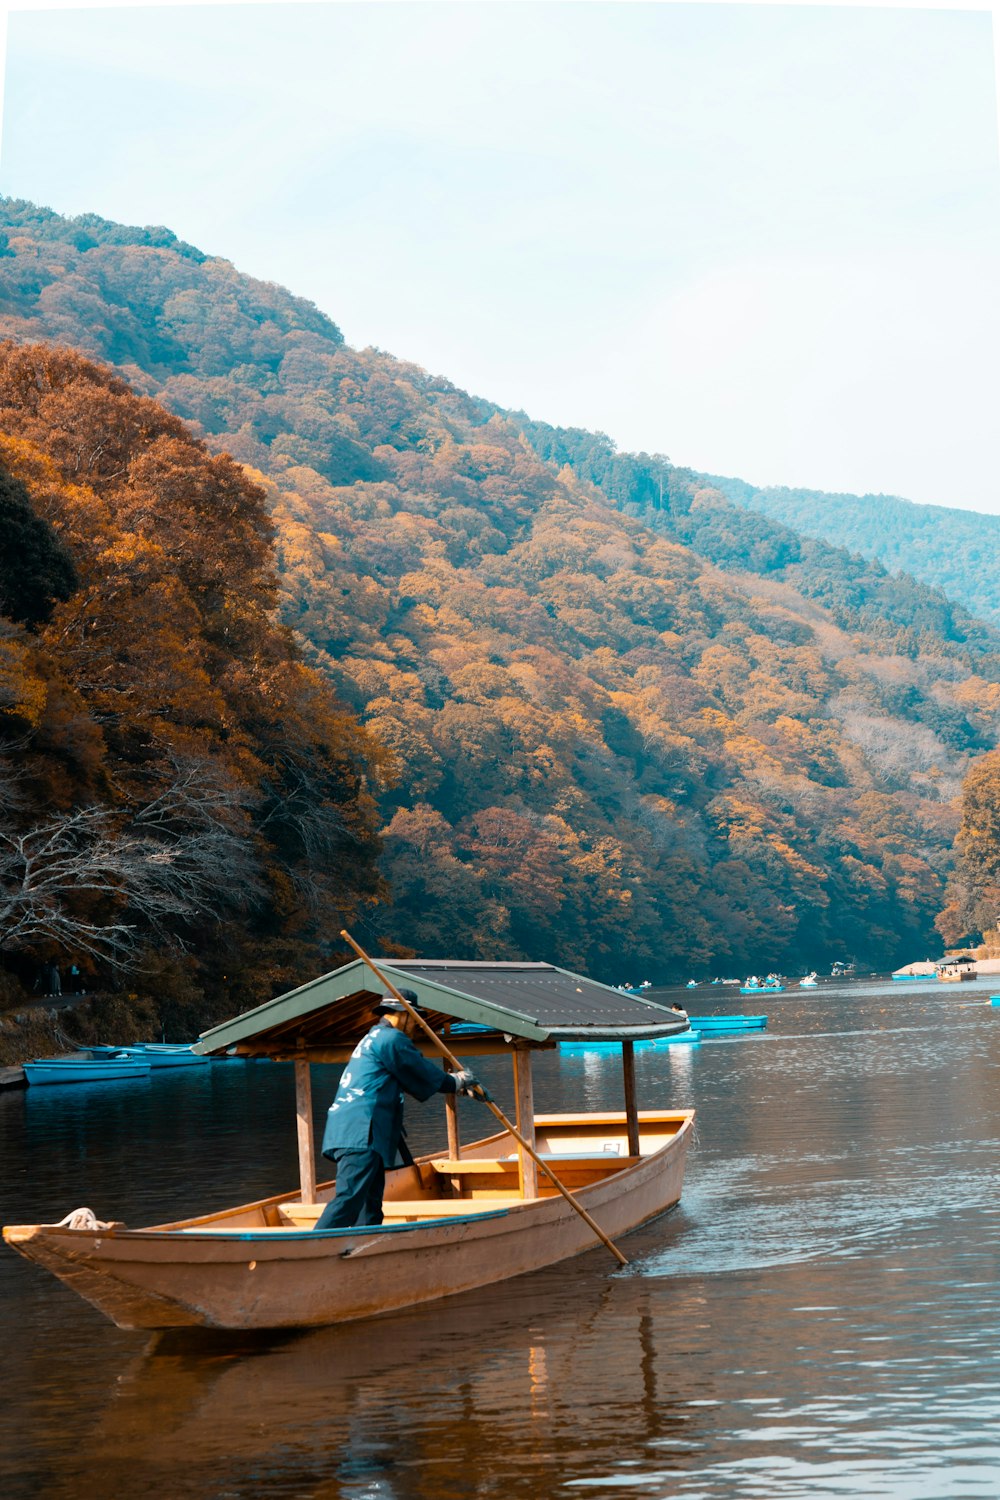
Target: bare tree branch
[{"x": 90, "y": 881}]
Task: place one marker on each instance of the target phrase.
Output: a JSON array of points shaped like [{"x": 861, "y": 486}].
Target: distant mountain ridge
[
  {"x": 951, "y": 549},
  {"x": 633, "y": 721}
]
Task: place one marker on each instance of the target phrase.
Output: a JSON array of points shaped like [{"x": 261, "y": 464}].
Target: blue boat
[
  {"x": 168, "y": 1054},
  {"x": 761, "y": 989},
  {"x": 728, "y": 1023},
  {"x": 912, "y": 978},
  {"x": 581, "y": 1045},
  {"x": 157, "y": 1054},
  {"x": 84, "y": 1069}
]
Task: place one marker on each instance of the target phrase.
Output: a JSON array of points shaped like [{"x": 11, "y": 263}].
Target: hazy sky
[{"x": 764, "y": 240}]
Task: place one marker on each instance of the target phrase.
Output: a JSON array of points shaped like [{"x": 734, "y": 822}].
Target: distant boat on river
[{"x": 953, "y": 970}]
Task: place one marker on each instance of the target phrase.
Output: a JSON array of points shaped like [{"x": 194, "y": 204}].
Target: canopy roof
[{"x": 537, "y": 1003}]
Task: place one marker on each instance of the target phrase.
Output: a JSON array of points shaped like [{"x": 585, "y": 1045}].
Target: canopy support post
[
  {"x": 525, "y": 1118},
  {"x": 304, "y": 1125},
  {"x": 631, "y": 1108},
  {"x": 451, "y": 1119}
]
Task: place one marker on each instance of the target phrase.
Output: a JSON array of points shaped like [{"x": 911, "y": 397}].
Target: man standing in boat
[{"x": 364, "y": 1125}]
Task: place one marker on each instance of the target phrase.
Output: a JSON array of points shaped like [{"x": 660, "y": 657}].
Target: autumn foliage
[
  {"x": 634, "y": 728},
  {"x": 172, "y": 774}
]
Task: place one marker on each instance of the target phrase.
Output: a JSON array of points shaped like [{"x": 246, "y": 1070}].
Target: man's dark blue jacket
[{"x": 367, "y": 1113}]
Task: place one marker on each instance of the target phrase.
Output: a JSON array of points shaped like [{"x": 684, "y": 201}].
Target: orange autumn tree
[
  {"x": 972, "y": 898},
  {"x": 171, "y": 771}
]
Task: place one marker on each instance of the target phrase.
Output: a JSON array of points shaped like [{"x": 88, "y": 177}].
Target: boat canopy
[{"x": 477, "y": 1007}]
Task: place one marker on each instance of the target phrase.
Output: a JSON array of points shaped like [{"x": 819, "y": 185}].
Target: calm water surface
[{"x": 818, "y": 1318}]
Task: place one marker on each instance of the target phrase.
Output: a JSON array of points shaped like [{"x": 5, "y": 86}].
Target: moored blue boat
[
  {"x": 728, "y": 1023},
  {"x": 157, "y": 1054},
  {"x": 168, "y": 1054},
  {"x": 84, "y": 1070},
  {"x": 691, "y": 1037}
]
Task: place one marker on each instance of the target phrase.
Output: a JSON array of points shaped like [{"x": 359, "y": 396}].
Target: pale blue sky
[{"x": 763, "y": 240}]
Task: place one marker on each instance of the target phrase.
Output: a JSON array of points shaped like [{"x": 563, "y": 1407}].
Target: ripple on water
[{"x": 817, "y": 1318}]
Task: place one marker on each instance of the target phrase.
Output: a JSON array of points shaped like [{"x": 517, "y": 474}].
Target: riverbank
[
  {"x": 75, "y": 1022},
  {"x": 927, "y": 966}
]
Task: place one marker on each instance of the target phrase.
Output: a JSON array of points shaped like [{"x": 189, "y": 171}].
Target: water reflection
[
  {"x": 418, "y": 1408},
  {"x": 816, "y": 1318}
]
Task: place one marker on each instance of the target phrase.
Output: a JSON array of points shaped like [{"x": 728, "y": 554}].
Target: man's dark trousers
[{"x": 358, "y": 1197}]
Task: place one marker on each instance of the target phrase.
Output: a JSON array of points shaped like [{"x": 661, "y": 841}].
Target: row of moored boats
[{"x": 113, "y": 1064}]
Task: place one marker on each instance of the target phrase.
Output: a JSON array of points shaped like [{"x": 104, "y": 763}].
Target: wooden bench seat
[
  {"x": 584, "y": 1160},
  {"x": 304, "y": 1215},
  {"x": 474, "y": 1177}
]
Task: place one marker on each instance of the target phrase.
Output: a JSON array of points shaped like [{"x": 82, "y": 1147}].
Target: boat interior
[{"x": 486, "y": 1177}]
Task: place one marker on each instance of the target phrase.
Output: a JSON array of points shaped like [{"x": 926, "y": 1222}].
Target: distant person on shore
[
  {"x": 53, "y": 982},
  {"x": 75, "y": 980},
  {"x": 364, "y": 1125}
]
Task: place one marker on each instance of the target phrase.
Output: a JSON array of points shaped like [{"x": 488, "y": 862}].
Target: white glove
[{"x": 465, "y": 1082}]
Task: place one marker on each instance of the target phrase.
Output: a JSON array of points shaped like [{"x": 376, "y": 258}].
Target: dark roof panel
[
  {"x": 535, "y": 1002},
  {"x": 553, "y": 998}
]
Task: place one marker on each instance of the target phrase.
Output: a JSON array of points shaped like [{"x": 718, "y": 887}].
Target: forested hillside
[
  {"x": 635, "y": 726},
  {"x": 182, "y": 800},
  {"x": 953, "y": 550}
]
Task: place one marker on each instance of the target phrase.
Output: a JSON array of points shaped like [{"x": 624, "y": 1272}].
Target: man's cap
[{"x": 393, "y": 1006}]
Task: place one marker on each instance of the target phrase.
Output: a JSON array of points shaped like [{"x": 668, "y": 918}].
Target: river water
[{"x": 819, "y": 1316}]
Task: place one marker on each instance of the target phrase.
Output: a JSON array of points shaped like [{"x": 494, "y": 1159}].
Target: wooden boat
[
  {"x": 84, "y": 1070},
  {"x": 460, "y": 1218},
  {"x": 956, "y": 971},
  {"x": 450, "y": 1225}
]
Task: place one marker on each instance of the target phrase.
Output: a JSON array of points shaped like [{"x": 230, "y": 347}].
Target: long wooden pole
[{"x": 497, "y": 1111}]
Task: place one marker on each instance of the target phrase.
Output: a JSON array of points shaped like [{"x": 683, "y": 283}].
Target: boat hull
[
  {"x": 157, "y": 1054},
  {"x": 728, "y": 1023},
  {"x": 252, "y": 1277},
  {"x": 103, "y": 1070},
  {"x": 165, "y": 1056}
]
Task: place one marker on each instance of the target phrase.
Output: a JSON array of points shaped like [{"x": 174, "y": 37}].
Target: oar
[{"x": 482, "y": 1094}]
